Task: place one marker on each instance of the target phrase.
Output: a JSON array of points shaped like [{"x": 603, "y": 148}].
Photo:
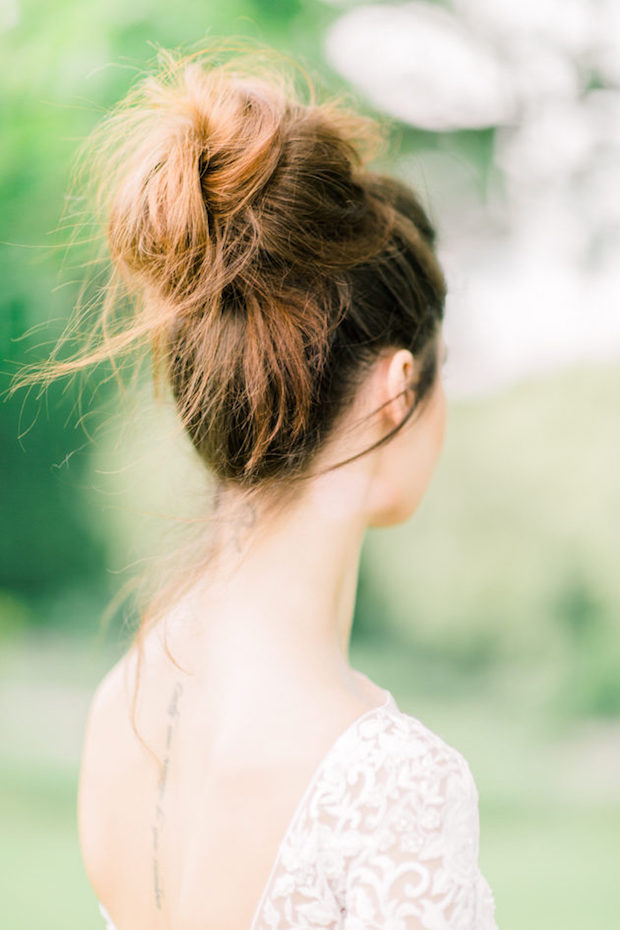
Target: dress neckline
[
  {"x": 318, "y": 770},
  {"x": 387, "y": 702}
]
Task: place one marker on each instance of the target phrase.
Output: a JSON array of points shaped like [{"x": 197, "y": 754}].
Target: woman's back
[
  {"x": 323, "y": 810},
  {"x": 198, "y": 843}
]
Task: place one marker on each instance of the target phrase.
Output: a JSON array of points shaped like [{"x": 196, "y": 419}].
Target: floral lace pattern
[{"x": 385, "y": 837}]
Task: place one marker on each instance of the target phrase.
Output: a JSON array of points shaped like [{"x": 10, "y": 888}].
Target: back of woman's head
[{"x": 267, "y": 267}]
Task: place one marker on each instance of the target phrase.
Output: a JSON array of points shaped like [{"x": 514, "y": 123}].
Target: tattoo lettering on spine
[{"x": 173, "y": 714}]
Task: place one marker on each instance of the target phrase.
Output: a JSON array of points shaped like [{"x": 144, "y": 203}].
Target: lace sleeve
[{"x": 417, "y": 868}]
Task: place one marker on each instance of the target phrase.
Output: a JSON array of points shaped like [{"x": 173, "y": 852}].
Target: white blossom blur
[{"x": 531, "y": 248}]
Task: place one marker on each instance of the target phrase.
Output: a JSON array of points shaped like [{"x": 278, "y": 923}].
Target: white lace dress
[{"x": 385, "y": 837}]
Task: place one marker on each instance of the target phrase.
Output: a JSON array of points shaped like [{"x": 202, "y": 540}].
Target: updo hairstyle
[{"x": 267, "y": 267}]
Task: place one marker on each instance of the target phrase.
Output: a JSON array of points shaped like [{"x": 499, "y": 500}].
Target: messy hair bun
[{"x": 267, "y": 266}]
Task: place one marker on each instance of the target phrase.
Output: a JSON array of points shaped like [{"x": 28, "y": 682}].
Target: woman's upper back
[
  {"x": 195, "y": 839},
  {"x": 359, "y": 816}
]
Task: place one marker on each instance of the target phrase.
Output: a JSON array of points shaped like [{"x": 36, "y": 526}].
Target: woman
[{"x": 293, "y": 302}]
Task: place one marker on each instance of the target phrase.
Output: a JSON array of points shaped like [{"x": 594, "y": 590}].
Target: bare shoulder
[{"x": 100, "y": 771}]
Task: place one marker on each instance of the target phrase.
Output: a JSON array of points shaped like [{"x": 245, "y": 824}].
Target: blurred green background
[{"x": 492, "y": 615}]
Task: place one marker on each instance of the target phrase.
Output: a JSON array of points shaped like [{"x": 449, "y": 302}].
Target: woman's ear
[{"x": 398, "y": 377}]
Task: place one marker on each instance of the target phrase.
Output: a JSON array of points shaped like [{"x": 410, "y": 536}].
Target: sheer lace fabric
[{"x": 385, "y": 837}]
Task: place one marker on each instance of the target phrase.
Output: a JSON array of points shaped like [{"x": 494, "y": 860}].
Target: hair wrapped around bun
[{"x": 266, "y": 264}]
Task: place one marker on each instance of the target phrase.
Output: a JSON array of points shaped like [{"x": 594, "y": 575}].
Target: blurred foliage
[{"x": 511, "y": 560}]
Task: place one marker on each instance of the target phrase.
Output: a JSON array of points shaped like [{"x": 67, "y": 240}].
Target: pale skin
[
  {"x": 288, "y": 596},
  {"x": 266, "y": 645}
]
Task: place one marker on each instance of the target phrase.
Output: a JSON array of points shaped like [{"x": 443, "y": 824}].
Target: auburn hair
[{"x": 257, "y": 258}]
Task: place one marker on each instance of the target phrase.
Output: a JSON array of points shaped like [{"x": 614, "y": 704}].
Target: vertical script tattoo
[{"x": 173, "y": 714}]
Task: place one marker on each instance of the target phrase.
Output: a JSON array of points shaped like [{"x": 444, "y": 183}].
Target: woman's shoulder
[
  {"x": 417, "y": 769},
  {"x": 103, "y": 769},
  {"x": 403, "y": 787},
  {"x": 406, "y": 835},
  {"x": 400, "y": 741},
  {"x": 391, "y": 772}
]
